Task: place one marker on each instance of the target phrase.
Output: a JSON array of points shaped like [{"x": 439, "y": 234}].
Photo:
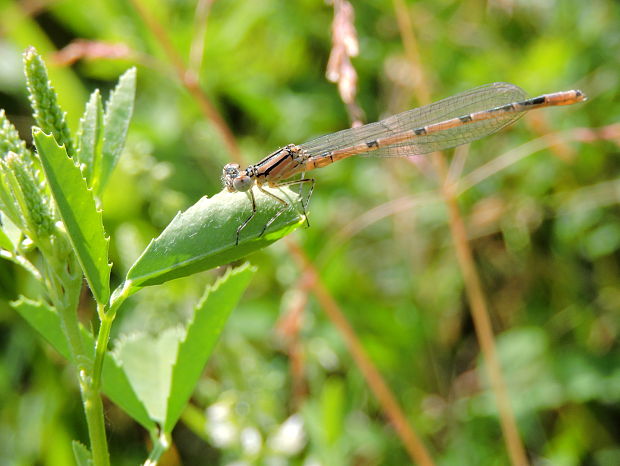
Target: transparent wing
[{"x": 475, "y": 100}]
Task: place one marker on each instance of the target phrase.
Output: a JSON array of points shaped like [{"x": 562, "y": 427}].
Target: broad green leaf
[
  {"x": 203, "y": 237},
  {"x": 115, "y": 384},
  {"x": 118, "y": 111},
  {"x": 163, "y": 369},
  {"x": 81, "y": 454},
  {"x": 90, "y": 136},
  {"x": 147, "y": 360},
  {"x": 79, "y": 213},
  {"x": 202, "y": 333},
  {"x": 44, "y": 320}
]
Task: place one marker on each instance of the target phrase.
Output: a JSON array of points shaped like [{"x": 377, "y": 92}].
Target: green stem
[
  {"x": 66, "y": 280},
  {"x": 160, "y": 445},
  {"x": 65, "y": 296},
  {"x": 101, "y": 347},
  {"x": 103, "y": 337},
  {"x": 93, "y": 409}
]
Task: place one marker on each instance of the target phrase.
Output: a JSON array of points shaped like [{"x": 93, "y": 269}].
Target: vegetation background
[{"x": 281, "y": 387}]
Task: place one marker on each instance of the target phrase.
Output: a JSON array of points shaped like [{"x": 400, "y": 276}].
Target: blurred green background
[{"x": 545, "y": 231}]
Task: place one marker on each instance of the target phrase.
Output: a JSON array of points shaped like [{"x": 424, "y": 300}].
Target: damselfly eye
[
  {"x": 242, "y": 183},
  {"x": 231, "y": 169},
  {"x": 229, "y": 173}
]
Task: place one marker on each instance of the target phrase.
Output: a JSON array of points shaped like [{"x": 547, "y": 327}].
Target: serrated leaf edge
[
  {"x": 205, "y": 296},
  {"x": 76, "y": 444},
  {"x": 99, "y": 211}
]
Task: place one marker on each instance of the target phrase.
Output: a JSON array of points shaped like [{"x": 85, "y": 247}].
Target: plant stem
[
  {"x": 101, "y": 347},
  {"x": 473, "y": 287},
  {"x": 385, "y": 396},
  {"x": 93, "y": 409},
  {"x": 160, "y": 445},
  {"x": 67, "y": 281},
  {"x": 103, "y": 337},
  {"x": 481, "y": 318}
]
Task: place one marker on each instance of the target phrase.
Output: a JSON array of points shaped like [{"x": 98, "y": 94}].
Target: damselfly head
[
  {"x": 235, "y": 179},
  {"x": 229, "y": 174}
]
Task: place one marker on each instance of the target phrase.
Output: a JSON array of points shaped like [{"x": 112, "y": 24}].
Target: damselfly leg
[
  {"x": 286, "y": 204},
  {"x": 304, "y": 205}
]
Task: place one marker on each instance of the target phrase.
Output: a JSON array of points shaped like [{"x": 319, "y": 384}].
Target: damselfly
[{"x": 451, "y": 122}]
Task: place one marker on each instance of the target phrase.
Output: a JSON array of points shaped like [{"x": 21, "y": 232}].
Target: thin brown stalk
[
  {"x": 340, "y": 70},
  {"x": 475, "y": 293},
  {"x": 80, "y": 49},
  {"x": 480, "y": 315},
  {"x": 412, "y": 442},
  {"x": 189, "y": 80},
  {"x": 410, "y": 45},
  {"x": 35, "y": 7},
  {"x": 288, "y": 328},
  {"x": 197, "y": 49}
]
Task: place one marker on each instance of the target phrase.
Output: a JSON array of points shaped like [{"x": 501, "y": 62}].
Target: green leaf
[
  {"x": 81, "y": 454},
  {"x": 90, "y": 136},
  {"x": 164, "y": 370},
  {"x": 117, "y": 387},
  {"x": 79, "y": 213},
  {"x": 44, "y": 320},
  {"x": 115, "y": 383},
  {"x": 148, "y": 362},
  {"x": 202, "y": 333},
  {"x": 119, "y": 109},
  {"x": 203, "y": 237}
]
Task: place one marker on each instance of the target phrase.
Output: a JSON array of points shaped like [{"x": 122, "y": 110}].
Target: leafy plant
[{"x": 52, "y": 227}]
